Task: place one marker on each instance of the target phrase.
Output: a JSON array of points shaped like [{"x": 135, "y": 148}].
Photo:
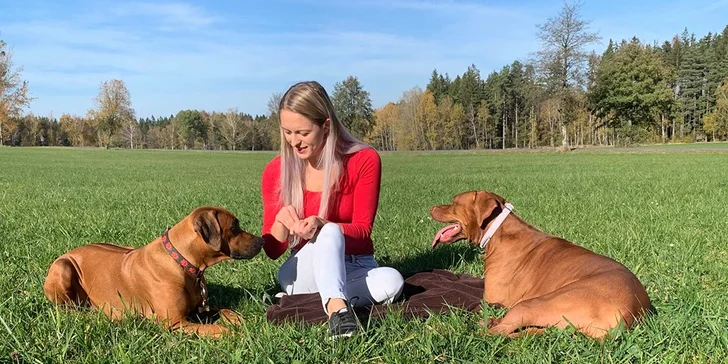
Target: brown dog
[
  {"x": 162, "y": 280},
  {"x": 544, "y": 280}
]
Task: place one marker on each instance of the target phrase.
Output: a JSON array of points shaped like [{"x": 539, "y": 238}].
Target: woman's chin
[{"x": 307, "y": 155}]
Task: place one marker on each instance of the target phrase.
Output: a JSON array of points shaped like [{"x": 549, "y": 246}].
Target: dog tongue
[{"x": 445, "y": 234}]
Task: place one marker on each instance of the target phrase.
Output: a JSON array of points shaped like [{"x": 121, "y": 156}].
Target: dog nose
[{"x": 258, "y": 240}]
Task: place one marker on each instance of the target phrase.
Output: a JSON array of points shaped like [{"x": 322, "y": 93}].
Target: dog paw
[
  {"x": 492, "y": 321},
  {"x": 230, "y": 316}
]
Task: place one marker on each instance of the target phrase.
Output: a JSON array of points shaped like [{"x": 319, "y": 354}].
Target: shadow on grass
[
  {"x": 225, "y": 296},
  {"x": 443, "y": 257}
]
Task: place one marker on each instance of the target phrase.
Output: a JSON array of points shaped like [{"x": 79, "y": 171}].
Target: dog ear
[
  {"x": 207, "y": 225},
  {"x": 486, "y": 207}
]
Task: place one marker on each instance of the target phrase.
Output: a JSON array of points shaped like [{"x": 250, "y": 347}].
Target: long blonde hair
[{"x": 310, "y": 99}]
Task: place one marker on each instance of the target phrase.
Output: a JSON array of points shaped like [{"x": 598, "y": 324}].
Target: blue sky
[{"x": 214, "y": 55}]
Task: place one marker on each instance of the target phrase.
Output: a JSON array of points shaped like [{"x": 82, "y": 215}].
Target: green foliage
[
  {"x": 631, "y": 86},
  {"x": 439, "y": 85},
  {"x": 190, "y": 127},
  {"x": 353, "y": 106}
]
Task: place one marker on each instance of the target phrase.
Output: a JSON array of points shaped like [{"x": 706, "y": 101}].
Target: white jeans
[{"x": 322, "y": 267}]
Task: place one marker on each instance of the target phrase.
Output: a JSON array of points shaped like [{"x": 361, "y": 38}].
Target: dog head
[
  {"x": 221, "y": 230},
  {"x": 468, "y": 216}
]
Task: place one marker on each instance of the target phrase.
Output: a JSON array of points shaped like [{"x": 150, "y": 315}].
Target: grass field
[{"x": 664, "y": 214}]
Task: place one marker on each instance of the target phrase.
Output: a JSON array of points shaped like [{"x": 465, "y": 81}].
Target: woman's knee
[
  {"x": 331, "y": 229},
  {"x": 388, "y": 284},
  {"x": 330, "y": 235}
]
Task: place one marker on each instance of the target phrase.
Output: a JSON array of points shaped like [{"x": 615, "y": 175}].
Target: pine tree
[{"x": 438, "y": 85}]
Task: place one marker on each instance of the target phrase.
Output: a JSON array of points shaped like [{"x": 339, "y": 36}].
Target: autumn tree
[
  {"x": 449, "y": 120},
  {"x": 431, "y": 124},
  {"x": 716, "y": 122},
  {"x": 382, "y": 134},
  {"x": 74, "y": 128},
  {"x": 272, "y": 127},
  {"x": 113, "y": 111},
  {"x": 408, "y": 130},
  {"x": 562, "y": 59},
  {"x": 14, "y": 93},
  {"x": 453, "y": 137},
  {"x": 232, "y": 128}
]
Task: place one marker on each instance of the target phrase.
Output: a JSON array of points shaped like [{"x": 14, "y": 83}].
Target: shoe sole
[{"x": 334, "y": 337}]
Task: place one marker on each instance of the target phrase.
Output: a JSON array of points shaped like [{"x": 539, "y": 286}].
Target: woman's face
[{"x": 305, "y": 137}]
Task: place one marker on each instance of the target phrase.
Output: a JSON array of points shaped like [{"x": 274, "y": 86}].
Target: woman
[{"x": 331, "y": 245}]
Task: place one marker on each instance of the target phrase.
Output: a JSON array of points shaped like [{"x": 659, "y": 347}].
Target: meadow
[{"x": 663, "y": 212}]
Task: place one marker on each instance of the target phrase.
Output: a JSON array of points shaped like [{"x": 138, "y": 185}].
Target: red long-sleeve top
[{"x": 354, "y": 206}]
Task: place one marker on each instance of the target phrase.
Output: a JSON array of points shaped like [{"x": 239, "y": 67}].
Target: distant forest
[{"x": 562, "y": 96}]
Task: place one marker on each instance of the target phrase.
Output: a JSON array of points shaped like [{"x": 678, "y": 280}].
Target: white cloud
[
  {"x": 217, "y": 66},
  {"x": 173, "y": 15}
]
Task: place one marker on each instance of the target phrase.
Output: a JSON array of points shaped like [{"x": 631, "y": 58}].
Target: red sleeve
[
  {"x": 271, "y": 205},
  {"x": 368, "y": 172}
]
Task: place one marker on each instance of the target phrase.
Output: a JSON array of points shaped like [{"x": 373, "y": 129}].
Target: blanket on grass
[{"x": 424, "y": 293}]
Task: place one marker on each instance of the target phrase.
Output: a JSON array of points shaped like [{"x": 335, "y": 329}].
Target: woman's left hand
[{"x": 308, "y": 227}]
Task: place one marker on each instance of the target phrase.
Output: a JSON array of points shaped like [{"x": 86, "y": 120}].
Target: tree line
[{"x": 561, "y": 96}]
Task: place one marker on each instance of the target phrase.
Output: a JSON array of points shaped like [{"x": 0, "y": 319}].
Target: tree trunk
[
  {"x": 131, "y": 136},
  {"x": 532, "y": 142},
  {"x": 515, "y": 128},
  {"x": 475, "y": 129},
  {"x": 551, "y": 128},
  {"x": 485, "y": 134},
  {"x": 252, "y": 136},
  {"x": 503, "y": 133},
  {"x": 565, "y": 142},
  {"x": 591, "y": 127}
]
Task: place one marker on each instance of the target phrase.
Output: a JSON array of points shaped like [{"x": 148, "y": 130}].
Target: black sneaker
[{"x": 343, "y": 323}]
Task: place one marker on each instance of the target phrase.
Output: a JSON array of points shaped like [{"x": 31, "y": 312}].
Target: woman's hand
[
  {"x": 308, "y": 227},
  {"x": 288, "y": 217}
]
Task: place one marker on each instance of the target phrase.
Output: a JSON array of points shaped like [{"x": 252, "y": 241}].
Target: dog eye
[{"x": 235, "y": 229}]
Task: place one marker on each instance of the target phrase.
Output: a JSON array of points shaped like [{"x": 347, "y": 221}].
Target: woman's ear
[{"x": 327, "y": 127}]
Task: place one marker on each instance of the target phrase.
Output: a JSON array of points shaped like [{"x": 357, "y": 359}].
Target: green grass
[
  {"x": 664, "y": 214},
  {"x": 671, "y": 146}
]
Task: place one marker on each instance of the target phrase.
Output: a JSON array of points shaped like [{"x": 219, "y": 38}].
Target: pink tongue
[{"x": 445, "y": 234}]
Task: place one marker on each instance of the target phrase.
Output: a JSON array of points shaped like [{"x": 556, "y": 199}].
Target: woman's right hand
[{"x": 287, "y": 216}]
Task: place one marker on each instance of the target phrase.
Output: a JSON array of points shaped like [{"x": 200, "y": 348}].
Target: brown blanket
[{"x": 424, "y": 293}]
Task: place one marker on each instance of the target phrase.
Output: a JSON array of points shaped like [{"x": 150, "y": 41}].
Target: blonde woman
[{"x": 331, "y": 246}]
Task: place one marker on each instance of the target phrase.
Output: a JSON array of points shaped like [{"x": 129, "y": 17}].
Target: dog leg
[
  {"x": 62, "y": 285},
  {"x": 230, "y": 316},
  {"x": 516, "y": 318},
  {"x": 567, "y": 306},
  {"x": 176, "y": 319},
  {"x": 208, "y": 330}
]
